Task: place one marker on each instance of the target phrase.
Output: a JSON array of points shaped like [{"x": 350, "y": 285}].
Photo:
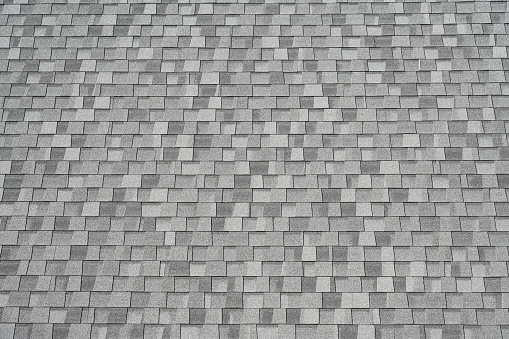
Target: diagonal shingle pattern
[{"x": 250, "y": 169}]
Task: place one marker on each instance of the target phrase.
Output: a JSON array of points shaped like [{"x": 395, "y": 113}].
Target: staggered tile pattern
[{"x": 238, "y": 169}]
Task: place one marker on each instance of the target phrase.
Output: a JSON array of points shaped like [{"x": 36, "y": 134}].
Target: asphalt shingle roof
[{"x": 241, "y": 169}]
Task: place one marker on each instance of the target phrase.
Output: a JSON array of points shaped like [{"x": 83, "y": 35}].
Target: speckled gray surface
[{"x": 235, "y": 169}]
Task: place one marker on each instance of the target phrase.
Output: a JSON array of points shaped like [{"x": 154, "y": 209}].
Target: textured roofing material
[{"x": 241, "y": 169}]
